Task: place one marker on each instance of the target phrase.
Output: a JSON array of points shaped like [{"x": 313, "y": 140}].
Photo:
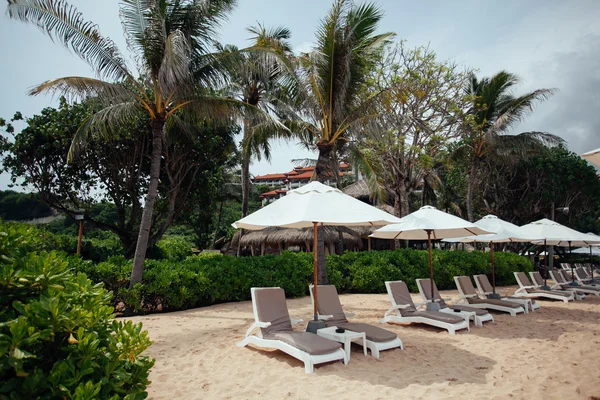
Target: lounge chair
[
  {"x": 477, "y": 315},
  {"x": 527, "y": 289},
  {"x": 275, "y": 331},
  {"x": 582, "y": 276},
  {"x": 560, "y": 282},
  {"x": 485, "y": 288},
  {"x": 469, "y": 295},
  {"x": 538, "y": 282},
  {"x": 404, "y": 310},
  {"x": 330, "y": 311}
]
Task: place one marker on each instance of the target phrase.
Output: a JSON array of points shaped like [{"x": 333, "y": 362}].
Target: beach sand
[{"x": 552, "y": 353}]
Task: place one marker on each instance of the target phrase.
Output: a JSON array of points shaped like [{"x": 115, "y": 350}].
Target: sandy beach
[{"x": 552, "y": 353}]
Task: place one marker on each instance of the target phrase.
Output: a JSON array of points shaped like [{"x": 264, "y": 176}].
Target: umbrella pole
[
  {"x": 546, "y": 287},
  {"x": 432, "y": 306},
  {"x": 571, "y": 262},
  {"x": 314, "y": 325},
  {"x": 315, "y": 273},
  {"x": 592, "y": 266},
  {"x": 493, "y": 268}
]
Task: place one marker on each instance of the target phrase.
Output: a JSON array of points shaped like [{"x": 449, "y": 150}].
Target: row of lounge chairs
[{"x": 273, "y": 327}]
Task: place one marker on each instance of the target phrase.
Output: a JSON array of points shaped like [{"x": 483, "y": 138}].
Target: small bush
[
  {"x": 174, "y": 247},
  {"x": 58, "y": 337}
]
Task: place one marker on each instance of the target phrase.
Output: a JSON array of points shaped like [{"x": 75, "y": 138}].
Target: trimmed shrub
[
  {"x": 204, "y": 280},
  {"x": 58, "y": 336},
  {"x": 174, "y": 247}
]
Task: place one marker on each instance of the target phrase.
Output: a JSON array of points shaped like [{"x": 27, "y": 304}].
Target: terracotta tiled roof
[
  {"x": 269, "y": 177},
  {"x": 304, "y": 175},
  {"x": 273, "y": 193}
]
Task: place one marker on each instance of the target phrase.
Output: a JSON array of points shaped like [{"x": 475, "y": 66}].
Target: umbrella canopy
[
  {"x": 311, "y": 205},
  {"x": 429, "y": 223},
  {"x": 505, "y": 232},
  {"x": 593, "y": 250},
  {"x": 315, "y": 202},
  {"x": 555, "y": 234},
  {"x": 592, "y": 156}
]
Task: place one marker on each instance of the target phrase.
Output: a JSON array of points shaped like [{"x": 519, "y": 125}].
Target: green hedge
[
  {"x": 200, "y": 281},
  {"x": 58, "y": 335}
]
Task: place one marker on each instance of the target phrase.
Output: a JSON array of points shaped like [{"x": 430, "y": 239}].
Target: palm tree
[
  {"x": 493, "y": 111},
  {"x": 331, "y": 80},
  {"x": 333, "y": 75},
  {"x": 171, "y": 42},
  {"x": 260, "y": 79}
]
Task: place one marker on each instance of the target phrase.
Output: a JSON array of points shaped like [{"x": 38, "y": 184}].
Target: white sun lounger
[
  {"x": 275, "y": 331},
  {"x": 538, "y": 282},
  {"x": 404, "y": 310},
  {"x": 527, "y": 289},
  {"x": 469, "y": 295},
  {"x": 477, "y": 315},
  {"x": 330, "y": 311},
  {"x": 560, "y": 282},
  {"x": 485, "y": 288}
]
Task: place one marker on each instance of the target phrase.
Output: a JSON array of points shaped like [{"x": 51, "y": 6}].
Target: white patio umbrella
[
  {"x": 426, "y": 223},
  {"x": 592, "y": 156},
  {"x": 505, "y": 232},
  {"x": 311, "y": 205},
  {"x": 555, "y": 234}
]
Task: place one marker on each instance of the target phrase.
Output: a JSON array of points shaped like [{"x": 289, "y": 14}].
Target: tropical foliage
[{"x": 58, "y": 335}]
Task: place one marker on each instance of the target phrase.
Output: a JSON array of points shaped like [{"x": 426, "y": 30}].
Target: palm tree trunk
[
  {"x": 322, "y": 172},
  {"x": 401, "y": 202},
  {"x": 245, "y": 175},
  {"x": 146, "y": 221},
  {"x": 470, "y": 188}
]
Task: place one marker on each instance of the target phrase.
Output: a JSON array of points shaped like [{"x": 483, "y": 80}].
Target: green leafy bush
[
  {"x": 203, "y": 280},
  {"x": 58, "y": 336},
  {"x": 175, "y": 247}
]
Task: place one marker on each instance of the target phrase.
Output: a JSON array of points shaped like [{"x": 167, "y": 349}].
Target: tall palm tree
[
  {"x": 334, "y": 74},
  {"x": 171, "y": 41},
  {"x": 493, "y": 111},
  {"x": 331, "y": 77},
  {"x": 260, "y": 79}
]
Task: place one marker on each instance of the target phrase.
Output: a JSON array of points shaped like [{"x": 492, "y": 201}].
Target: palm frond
[
  {"x": 81, "y": 88},
  {"x": 103, "y": 122},
  {"x": 175, "y": 74},
  {"x": 512, "y": 110},
  {"x": 134, "y": 18},
  {"x": 63, "y": 22}
]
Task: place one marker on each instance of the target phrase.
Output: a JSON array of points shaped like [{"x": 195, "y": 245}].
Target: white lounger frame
[
  {"x": 559, "y": 280},
  {"x": 309, "y": 360},
  {"x": 525, "y": 302},
  {"x": 522, "y": 292},
  {"x": 477, "y": 320},
  {"x": 375, "y": 347},
  {"x": 582, "y": 280},
  {"x": 576, "y": 295},
  {"x": 398, "y": 318},
  {"x": 465, "y": 298}
]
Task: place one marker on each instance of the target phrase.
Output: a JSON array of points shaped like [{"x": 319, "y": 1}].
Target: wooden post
[
  {"x": 262, "y": 248},
  {"x": 80, "y": 237},
  {"x": 369, "y": 243}
]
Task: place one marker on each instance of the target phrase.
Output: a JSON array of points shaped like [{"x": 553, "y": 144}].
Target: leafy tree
[
  {"x": 109, "y": 181},
  {"x": 15, "y": 206},
  {"x": 171, "y": 42},
  {"x": 420, "y": 112},
  {"x": 493, "y": 111}
]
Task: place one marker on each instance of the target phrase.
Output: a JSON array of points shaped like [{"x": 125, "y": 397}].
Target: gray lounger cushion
[
  {"x": 495, "y": 302},
  {"x": 306, "y": 341}
]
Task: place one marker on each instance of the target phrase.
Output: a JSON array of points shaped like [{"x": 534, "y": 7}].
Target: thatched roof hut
[
  {"x": 358, "y": 190},
  {"x": 274, "y": 240}
]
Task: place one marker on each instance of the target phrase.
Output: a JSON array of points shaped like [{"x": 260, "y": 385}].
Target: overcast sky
[{"x": 548, "y": 43}]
